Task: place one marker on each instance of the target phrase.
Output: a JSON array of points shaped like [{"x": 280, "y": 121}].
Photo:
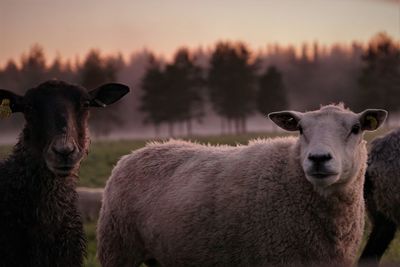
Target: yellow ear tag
[
  {"x": 373, "y": 122},
  {"x": 5, "y": 110}
]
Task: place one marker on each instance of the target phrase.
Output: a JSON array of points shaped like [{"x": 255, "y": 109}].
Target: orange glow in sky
[{"x": 71, "y": 28}]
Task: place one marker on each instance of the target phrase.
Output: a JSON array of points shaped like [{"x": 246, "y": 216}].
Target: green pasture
[{"x": 103, "y": 156}]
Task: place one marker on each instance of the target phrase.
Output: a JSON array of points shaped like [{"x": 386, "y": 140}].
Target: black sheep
[
  {"x": 39, "y": 221},
  {"x": 382, "y": 195}
]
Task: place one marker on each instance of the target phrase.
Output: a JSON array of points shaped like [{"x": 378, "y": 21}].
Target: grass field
[{"x": 103, "y": 156}]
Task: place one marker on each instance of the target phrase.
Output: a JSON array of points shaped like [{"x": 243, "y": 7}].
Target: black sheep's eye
[
  {"x": 86, "y": 104},
  {"x": 300, "y": 129},
  {"x": 355, "y": 129}
]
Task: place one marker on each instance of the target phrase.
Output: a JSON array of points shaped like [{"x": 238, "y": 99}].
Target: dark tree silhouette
[
  {"x": 379, "y": 82},
  {"x": 69, "y": 73},
  {"x": 56, "y": 69},
  {"x": 183, "y": 82},
  {"x": 231, "y": 81},
  {"x": 10, "y": 76},
  {"x": 271, "y": 95},
  {"x": 173, "y": 95},
  {"x": 154, "y": 96},
  {"x": 33, "y": 67},
  {"x": 95, "y": 71},
  {"x": 359, "y": 76}
]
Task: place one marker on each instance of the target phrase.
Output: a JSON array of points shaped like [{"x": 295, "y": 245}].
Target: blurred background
[
  {"x": 207, "y": 70},
  {"x": 204, "y": 67}
]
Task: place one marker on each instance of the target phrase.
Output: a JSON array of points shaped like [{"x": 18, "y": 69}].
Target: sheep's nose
[
  {"x": 63, "y": 150},
  {"x": 319, "y": 158}
]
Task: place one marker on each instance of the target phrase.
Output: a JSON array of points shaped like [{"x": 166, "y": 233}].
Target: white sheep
[{"x": 294, "y": 201}]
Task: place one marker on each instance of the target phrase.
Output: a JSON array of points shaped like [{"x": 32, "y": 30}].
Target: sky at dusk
[{"x": 71, "y": 28}]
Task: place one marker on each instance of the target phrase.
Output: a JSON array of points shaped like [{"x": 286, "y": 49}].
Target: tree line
[
  {"x": 233, "y": 83},
  {"x": 229, "y": 80},
  {"x": 237, "y": 86},
  {"x": 92, "y": 72}
]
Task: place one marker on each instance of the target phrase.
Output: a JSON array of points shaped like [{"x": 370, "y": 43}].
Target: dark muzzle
[
  {"x": 319, "y": 169},
  {"x": 63, "y": 156}
]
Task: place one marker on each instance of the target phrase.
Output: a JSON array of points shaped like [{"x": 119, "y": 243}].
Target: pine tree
[
  {"x": 154, "y": 98},
  {"x": 183, "y": 81},
  {"x": 231, "y": 81},
  {"x": 33, "y": 67},
  {"x": 172, "y": 95},
  {"x": 380, "y": 77},
  {"x": 94, "y": 72},
  {"x": 271, "y": 94}
]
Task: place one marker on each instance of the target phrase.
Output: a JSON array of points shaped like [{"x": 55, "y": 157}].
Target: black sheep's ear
[
  {"x": 10, "y": 103},
  {"x": 107, "y": 94}
]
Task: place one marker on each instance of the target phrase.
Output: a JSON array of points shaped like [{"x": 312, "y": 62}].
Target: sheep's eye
[
  {"x": 86, "y": 104},
  {"x": 355, "y": 129}
]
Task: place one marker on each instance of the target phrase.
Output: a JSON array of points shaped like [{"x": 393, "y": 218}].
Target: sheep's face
[
  {"x": 56, "y": 116},
  {"x": 331, "y": 142}
]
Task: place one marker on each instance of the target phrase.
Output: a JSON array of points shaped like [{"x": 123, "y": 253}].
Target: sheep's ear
[
  {"x": 10, "y": 103},
  {"x": 372, "y": 119},
  {"x": 107, "y": 94},
  {"x": 287, "y": 120}
]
